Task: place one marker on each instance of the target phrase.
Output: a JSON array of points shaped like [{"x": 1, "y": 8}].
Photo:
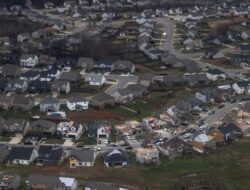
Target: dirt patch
[
  {"x": 93, "y": 115},
  {"x": 216, "y": 24}
]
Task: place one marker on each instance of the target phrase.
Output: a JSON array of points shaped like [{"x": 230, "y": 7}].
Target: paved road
[
  {"x": 220, "y": 112},
  {"x": 121, "y": 82}
]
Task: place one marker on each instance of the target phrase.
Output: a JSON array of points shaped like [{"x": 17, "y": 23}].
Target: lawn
[{"x": 4, "y": 139}]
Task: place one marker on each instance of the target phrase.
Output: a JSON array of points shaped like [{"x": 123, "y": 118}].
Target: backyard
[{"x": 227, "y": 168}]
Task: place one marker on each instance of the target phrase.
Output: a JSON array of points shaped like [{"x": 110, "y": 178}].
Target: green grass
[
  {"x": 14, "y": 114},
  {"x": 4, "y": 139}
]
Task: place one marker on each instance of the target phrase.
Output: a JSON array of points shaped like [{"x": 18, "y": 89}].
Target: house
[
  {"x": 99, "y": 131},
  {"x": 73, "y": 77},
  {"x": 214, "y": 54},
  {"x": 145, "y": 79},
  {"x": 115, "y": 158},
  {"x": 102, "y": 99},
  {"x": 21, "y": 155},
  {"x": 222, "y": 93},
  {"x": 42, "y": 128},
  {"x": 174, "y": 147},
  {"x": 198, "y": 79},
  {"x": 86, "y": 63},
  {"x": 50, "y": 104},
  {"x": 82, "y": 158},
  {"x": 71, "y": 130},
  {"x": 38, "y": 87},
  {"x": 16, "y": 127},
  {"x": 77, "y": 103},
  {"x": 39, "y": 182},
  {"x": 215, "y": 74},
  {"x": 65, "y": 64},
  {"x": 138, "y": 90},
  {"x": 28, "y": 60},
  {"x": 230, "y": 131},
  {"x": 103, "y": 66},
  {"x": 241, "y": 87},
  {"x": 240, "y": 11},
  {"x": 95, "y": 79},
  {"x": 122, "y": 96},
  {"x": 16, "y": 85},
  {"x": 50, "y": 155},
  {"x": 124, "y": 66},
  {"x": 60, "y": 87},
  {"x": 49, "y": 75},
  {"x": 173, "y": 80},
  {"x": 93, "y": 185},
  {"x": 202, "y": 141},
  {"x": 30, "y": 75},
  {"x": 205, "y": 95},
  {"x": 10, "y": 70},
  {"x": 147, "y": 155},
  {"x": 9, "y": 181},
  {"x": 23, "y": 37},
  {"x": 6, "y": 102}
]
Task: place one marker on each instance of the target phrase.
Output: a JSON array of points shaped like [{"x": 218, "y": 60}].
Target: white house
[
  {"x": 204, "y": 95},
  {"x": 28, "y": 60},
  {"x": 241, "y": 87},
  {"x": 241, "y": 11},
  {"x": 70, "y": 130},
  {"x": 77, "y": 103},
  {"x": 215, "y": 74},
  {"x": 22, "y": 155},
  {"x": 95, "y": 79}
]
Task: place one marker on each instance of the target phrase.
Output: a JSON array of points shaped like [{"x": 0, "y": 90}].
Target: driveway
[
  {"x": 219, "y": 113},
  {"x": 68, "y": 143},
  {"x": 16, "y": 140}
]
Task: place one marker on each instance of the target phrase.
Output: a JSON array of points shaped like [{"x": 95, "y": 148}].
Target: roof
[
  {"x": 4, "y": 98},
  {"x": 41, "y": 125},
  {"x": 13, "y": 124},
  {"x": 8, "y": 180},
  {"x": 50, "y": 182},
  {"x": 50, "y": 100},
  {"x": 92, "y": 127},
  {"x": 72, "y": 76},
  {"x": 115, "y": 156},
  {"x": 124, "y": 91},
  {"x": 50, "y": 153},
  {"x": 20, "y": 153},
  {"x": 215, "y": 72},
  {"x": 83, "y": 155},
  {"x": 93, "y": 185},
  {"x": 76, "y": 99},
  {"x": 93, "y": 77},
  {"x": 26, "y": 56},
  {"x": 20, "y": 99},
  {"x": 102, "y": 96},
  {"x": 228, "y": 128},
  {"x": 30, "y": 73}
]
